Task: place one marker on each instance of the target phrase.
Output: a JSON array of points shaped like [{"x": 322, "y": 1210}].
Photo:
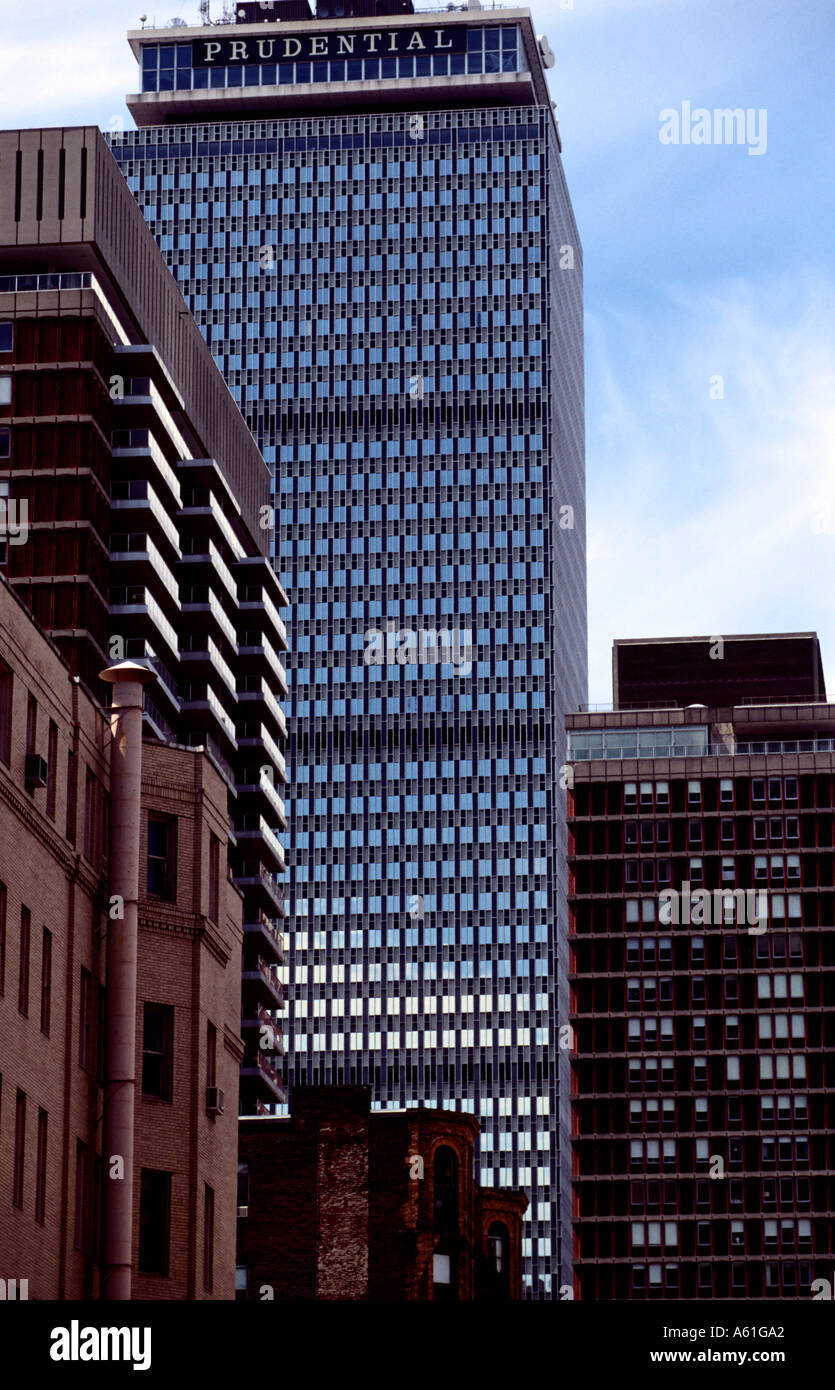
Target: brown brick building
[
  {"x": 701, "y": 821},
  {"x": 54, "y": 924},
  {"x": 342, "y": 1202}
]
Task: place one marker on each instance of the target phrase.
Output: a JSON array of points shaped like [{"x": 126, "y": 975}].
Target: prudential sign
[{"x": 367, "y": 43}]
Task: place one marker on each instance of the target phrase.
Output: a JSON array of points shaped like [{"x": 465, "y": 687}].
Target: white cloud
[{"x": 714, "y": 515}]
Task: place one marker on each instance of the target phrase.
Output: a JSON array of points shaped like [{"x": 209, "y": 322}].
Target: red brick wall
[
  {"x": 334, "y": 1176},
  {"x": 42, "y": 869}
]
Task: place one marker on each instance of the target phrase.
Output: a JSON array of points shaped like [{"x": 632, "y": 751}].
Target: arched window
[
  {"x": 446, "y": 1190},
  {"x": 498, "y": 1259}
]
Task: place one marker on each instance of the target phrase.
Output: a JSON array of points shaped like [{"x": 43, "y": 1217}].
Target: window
[
  {"x": 69, "y": 829},
  {"x": 446, "y": 1190},
  {"x": 6, "y": 337},
  {"x": 52, "y": 769},
  {"x": 89, "y": 815},
  {"x": 158, "y": 1051},
  {"x": 82, "y": 1196},
  {"x": 162, "y": 857},
  {"x": 5, "y": 443},
  {"x": 211, "y": 1054},
  {"x": 86, "y": 1022},
  {"x": 46, "y": 981},
  {"x": 6, "y": 683},
  {"x": 208, "y": 1239},
  {"x": 243, "y": 1190},
  {"x": 3, "y": 897},
  {"x": 40, "y": 1171},
  {"x": 31, "y": 725},
  {"x": 214, "y": 877},
  {"x": 726, "y": 791},
  {"x": 154, "y": 1221},
  {"x": 19, "y": 1148},
  {"x": 5, "y": 390},
  {"x": 25, "y": 947}
]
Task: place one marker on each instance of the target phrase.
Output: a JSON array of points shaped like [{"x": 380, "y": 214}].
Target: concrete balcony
[
  {"x": 260, "y": 982},
  {"x": 260, "y": 1080},
  {"x": 210, "y": 511},
  {"x": 135, "y": 601},
  {"x": 207, "y": 661},
  {"x": 140, "y": 561},
  {"x": 265, "y": 788},
  {"x": 203, "y": 604},
  {"x": 265, "y": 741},
  {"x": 141, "y": 502},
  {"x": 261, "y": 932},
  {"x": 253, "y": 690},
  {"x": 211, "y": 559},
  {"x": 260, "y": 888},
  {"x": 150, "y": 449},
  {"x": 268, "y": 1029},
  {"x": 208, "y": 703},
  {"x": 264, "y": 609},
  {"x": 259, "y": 655},
  {"x": 259, "y": 569},
  {"x": 253, "y": 832}
]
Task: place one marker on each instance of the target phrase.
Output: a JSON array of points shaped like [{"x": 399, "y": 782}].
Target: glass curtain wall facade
[{"x": 396, "y": 302}]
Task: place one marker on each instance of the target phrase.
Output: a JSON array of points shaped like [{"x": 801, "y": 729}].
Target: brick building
[
  {"x": 701, "y": 820},
  {"x": 54, "y": 925},
  {"x": 341, "y": 1202}
]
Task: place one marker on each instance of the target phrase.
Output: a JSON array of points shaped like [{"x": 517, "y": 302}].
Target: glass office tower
[{"x": 369, "y": 218}]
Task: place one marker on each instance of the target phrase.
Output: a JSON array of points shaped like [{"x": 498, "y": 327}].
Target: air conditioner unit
[
  {"x": 35, "y": 771},
  {"x": 214, "y": 1100}
]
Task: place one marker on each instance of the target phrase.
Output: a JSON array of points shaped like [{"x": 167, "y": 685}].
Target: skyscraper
[{"x": 369, "y": 218}]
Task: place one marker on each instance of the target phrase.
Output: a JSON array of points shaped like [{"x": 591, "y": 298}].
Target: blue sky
[{"x": 711, "y": 504}]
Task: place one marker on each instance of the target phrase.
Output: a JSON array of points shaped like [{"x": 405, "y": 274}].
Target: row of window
[
  {"x": 24, "y": 963},
  {"x": 649, "y": 1153},
  {"x": 666, "y": 1113},
  {"x": 19, "y": 1160},
  {"x": 648, "y": 991},
  {"x": 789, "y": 1278},
  {"x": 654, "y": 1192}
]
